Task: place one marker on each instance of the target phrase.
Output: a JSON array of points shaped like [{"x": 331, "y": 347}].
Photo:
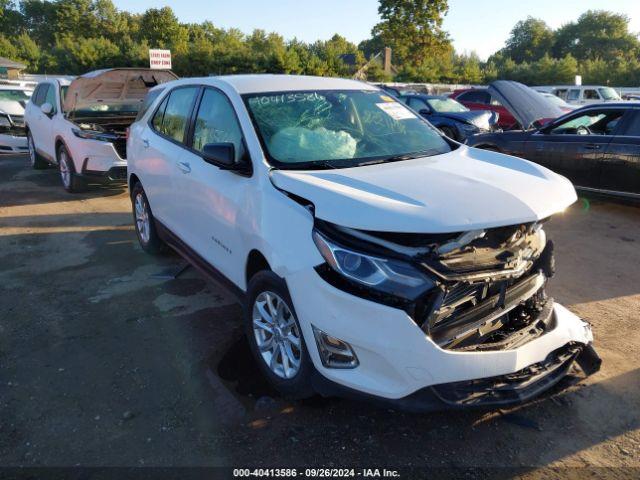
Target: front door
[
  {"x": 41, "y": 125},
  {"x": 212, "y": 199},
  {"x": 160, "y": 156},
  {"x": 574, "y": 146}
]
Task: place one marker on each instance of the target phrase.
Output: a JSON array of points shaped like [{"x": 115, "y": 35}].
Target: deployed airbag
[{"x": 299, "y": 144}]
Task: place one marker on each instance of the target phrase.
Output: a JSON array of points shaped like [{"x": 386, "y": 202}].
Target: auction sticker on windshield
[{"x": 396, "y": 111}]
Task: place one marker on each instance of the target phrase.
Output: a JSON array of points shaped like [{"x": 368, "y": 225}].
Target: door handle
[
  {"x": 592, "y": 146},
  {"x": 145, "y": 143},
  {"x": 184, "y": 167}
]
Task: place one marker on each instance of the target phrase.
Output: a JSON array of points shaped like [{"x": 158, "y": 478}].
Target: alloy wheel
[
  {"x": 277, "y": 335},
  {"x": 142, "y": 217},
  {"x": 65, "y": 172},
  {"x": 32, "y": 150}
]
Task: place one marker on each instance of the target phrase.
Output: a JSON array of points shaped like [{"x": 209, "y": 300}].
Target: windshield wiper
[{"x": 398, "y": 158}]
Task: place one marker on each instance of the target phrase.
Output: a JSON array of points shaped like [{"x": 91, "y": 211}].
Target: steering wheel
[{"x": 583, "y": 130}]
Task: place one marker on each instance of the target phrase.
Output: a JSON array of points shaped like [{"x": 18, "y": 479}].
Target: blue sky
[{"x": 480, "y": 26}]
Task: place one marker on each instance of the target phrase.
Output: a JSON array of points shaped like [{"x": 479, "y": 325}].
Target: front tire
[
  {"x": 275, "y": 336},
  {"x": 71, "y": 182},
  {"x": 144, "y": 222},
  {"x": 37, "y": 162}
]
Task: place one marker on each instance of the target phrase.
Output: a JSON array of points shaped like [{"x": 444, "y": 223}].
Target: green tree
[
  {"x": 413, "y": 29},
  {"x": 530, "y": 40},
  {"x": 597, "y": 34}
]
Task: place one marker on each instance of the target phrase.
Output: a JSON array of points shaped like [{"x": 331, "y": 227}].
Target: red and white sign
[{"x": 160, "y": 59}]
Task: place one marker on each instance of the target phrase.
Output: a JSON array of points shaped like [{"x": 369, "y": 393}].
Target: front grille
[
  {"x": 514, "y": 387},
  {"x": 120, "y": 145}
]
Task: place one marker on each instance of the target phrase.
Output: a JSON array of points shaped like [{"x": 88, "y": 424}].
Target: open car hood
[
  {"x": 526, "y": 105},
  {"x": 466, "y": 189},
  {"x": 116, "y": 86}
]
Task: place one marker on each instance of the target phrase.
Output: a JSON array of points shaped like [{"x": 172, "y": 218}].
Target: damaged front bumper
[
  {"x": 485, "y": 334},
  {"x": 13, "y": 136}
]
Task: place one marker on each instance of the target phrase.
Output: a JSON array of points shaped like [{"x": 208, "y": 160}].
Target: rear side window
[
  {"x": 216, "y": 122},
  {"x": 633, "y": 127},
  {"x": 173, "y": 115},
  {"x": 591, "y": 95},
  {"x": 475, "y": 96},
  {"x": 573, "y": 95},
  {"x": 148, "y": 100}
]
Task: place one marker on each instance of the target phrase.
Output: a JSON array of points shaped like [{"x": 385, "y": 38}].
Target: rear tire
[
  {"x": 37, "y": 162},
  {"x": 273, "y": 330},
  {"x": 71, "y": 182},
  {"x": 145, "y": 223}
]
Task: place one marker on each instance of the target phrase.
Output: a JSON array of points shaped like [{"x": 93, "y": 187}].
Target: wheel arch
[{"x": 256, "y": 262}]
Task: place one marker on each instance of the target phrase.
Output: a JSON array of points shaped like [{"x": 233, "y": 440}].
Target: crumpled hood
[
  {"x": 483, "y": 119},
  {"x": 116, "y": 86},
  {"x": 465, "y": 189},
  {"x": 524, "y": 103}
]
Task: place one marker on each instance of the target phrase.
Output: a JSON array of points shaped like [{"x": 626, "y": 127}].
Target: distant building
[{"x": 10, "y": 69}]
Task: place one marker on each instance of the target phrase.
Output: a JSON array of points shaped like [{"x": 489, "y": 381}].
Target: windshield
[
  {"x": 609, "y": 93},
  {"x": 442, "y": 105},
  {"x": 15, "y": 95},
  {"x": 334, "y": 129}
]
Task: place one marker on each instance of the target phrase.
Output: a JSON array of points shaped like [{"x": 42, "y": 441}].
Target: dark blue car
[{"x": 454, "y": 119}]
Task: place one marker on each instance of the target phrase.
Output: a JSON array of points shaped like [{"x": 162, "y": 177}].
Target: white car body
[
  {"x": 587, "y": 94},
  {"x": 221, "y": 218},
  {"x": 12, "y": 138},
  {"x": 94, "y": 158}
]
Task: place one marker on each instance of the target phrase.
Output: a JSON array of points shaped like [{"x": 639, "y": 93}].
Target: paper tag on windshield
[{"x": 396, "y": 111}]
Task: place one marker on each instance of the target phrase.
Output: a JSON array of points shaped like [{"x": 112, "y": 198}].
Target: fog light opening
[{"x": 334, "y": 352}]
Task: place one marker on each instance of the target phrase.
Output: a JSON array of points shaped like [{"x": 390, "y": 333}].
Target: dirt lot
[{"x": 103, "y": 362}]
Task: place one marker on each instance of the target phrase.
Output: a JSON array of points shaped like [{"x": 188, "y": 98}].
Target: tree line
[{"x": 76, "y": 36}]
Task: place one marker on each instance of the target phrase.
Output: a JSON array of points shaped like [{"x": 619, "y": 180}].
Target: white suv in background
[
  {"x": 81, "y": 125},
  {"x": 373, "y": 256}
]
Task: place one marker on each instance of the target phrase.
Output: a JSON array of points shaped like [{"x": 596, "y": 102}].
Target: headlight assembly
[
  {"x": 93, "y": 135},
  {"x": 385, "y": 275}
]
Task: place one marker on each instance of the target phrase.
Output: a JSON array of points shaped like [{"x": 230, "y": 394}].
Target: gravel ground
[{"x": 107, "y": 361}]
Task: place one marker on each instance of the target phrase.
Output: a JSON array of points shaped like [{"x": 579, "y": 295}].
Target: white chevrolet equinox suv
[
  {"x": 374, "y": 257},
  {"x": 81, "y": 125}
]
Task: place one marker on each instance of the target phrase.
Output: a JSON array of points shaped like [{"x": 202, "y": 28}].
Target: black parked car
[
  {"x": 454, "y": 119},
  {"x": 597, "y": 147}
]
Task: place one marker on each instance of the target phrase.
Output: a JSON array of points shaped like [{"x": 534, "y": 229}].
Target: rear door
[
  {"x": 210, "y": 197},
  {"x": 620, "y": 165},
  {"x": 574, "y": 147},
  {"x": 160, "y": 160}
]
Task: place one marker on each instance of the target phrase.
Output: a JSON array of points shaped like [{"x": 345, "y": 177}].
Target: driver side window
[
  {"x": 593, "y": 122},
  {"x": 216, "y": 122}
]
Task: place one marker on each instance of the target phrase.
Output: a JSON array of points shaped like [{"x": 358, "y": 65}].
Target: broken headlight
[{"x": 385, "y": 275}]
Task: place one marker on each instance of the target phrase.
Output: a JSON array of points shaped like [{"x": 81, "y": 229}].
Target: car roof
[
  {"x": 263, "y": 83},
  {"x": 622, "y": 104}
]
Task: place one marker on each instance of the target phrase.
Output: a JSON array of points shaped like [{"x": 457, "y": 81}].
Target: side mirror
[
  {"x": 47, "y": 108},
  {"x": 424, "y": 112},
  {"x": 222, "y": 155}
]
